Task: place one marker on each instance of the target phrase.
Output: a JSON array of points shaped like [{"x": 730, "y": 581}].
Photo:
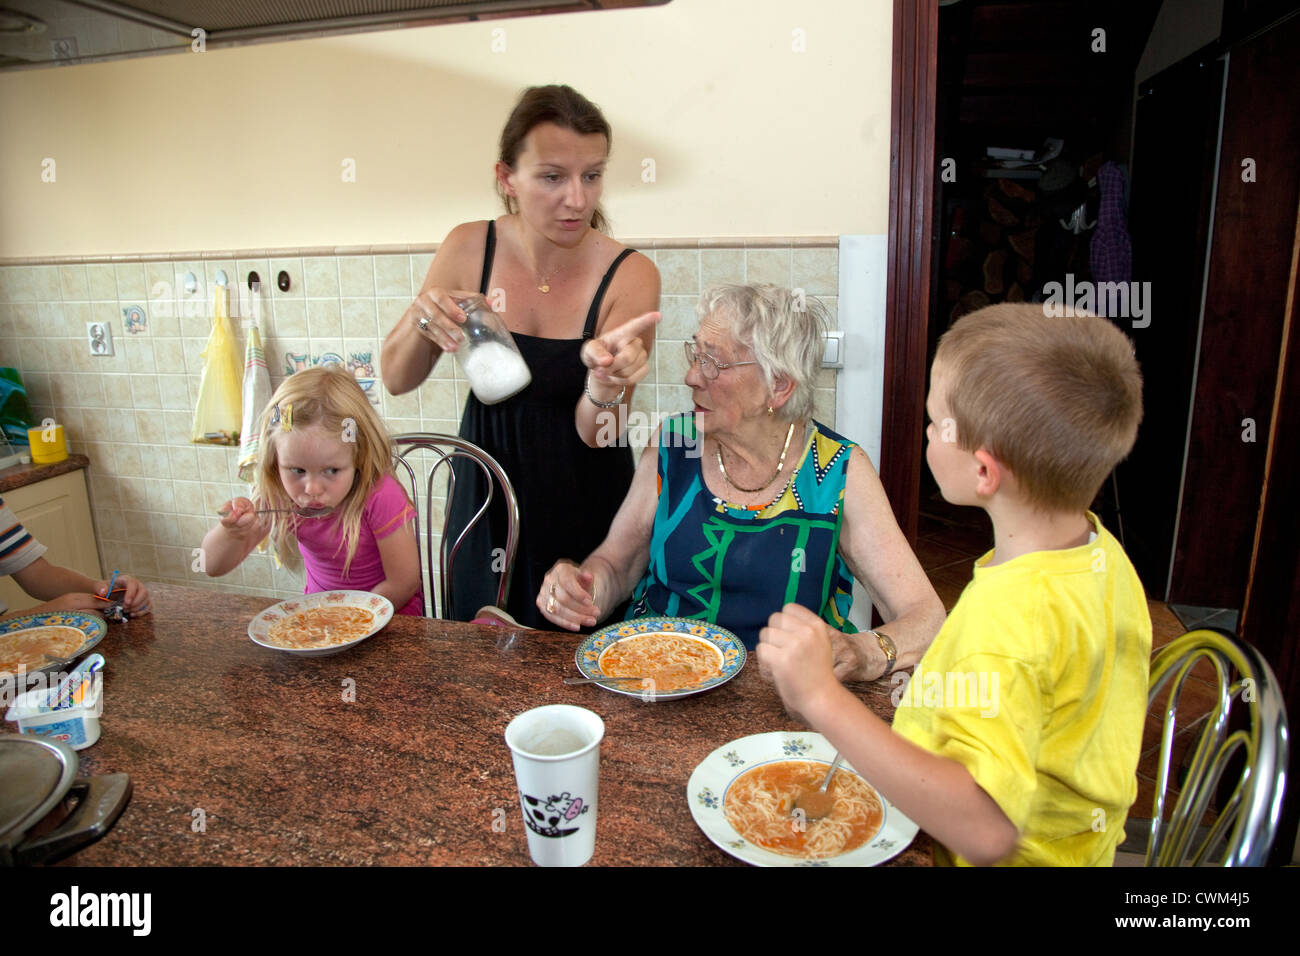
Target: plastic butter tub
[{"x": 78, "y": 726}]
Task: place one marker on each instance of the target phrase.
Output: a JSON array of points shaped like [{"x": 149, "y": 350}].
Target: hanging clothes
[{"x": 1112, "y": 250}]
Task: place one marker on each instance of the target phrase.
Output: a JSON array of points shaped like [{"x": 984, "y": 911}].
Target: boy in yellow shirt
[{"x": 1016, "y": 740}]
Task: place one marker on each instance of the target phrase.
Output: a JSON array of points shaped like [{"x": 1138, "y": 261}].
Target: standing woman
[{"x": 581, "y": 308}]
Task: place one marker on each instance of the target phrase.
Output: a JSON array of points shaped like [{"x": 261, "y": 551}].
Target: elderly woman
[{"x": 750, "y": 504}]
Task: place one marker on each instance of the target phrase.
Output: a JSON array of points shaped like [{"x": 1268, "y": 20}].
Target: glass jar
[{"x": 489, "y": 357}]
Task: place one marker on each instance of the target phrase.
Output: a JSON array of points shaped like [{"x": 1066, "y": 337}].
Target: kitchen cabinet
[{"x": 52, "y": 503}]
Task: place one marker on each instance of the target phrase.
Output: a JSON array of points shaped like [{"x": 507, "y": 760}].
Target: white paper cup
[{"x": 556, "y": 751}]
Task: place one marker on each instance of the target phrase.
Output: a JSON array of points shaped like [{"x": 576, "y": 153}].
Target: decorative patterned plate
[
  {"x": 729, "y": 646},
  {"x": 92, "y": 625},
  {"x": 706, "y": 793},
  {"x": 380, "y": 606}
]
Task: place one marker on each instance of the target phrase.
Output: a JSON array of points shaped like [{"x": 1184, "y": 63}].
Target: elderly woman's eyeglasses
[{"x": 709, "y": 366}]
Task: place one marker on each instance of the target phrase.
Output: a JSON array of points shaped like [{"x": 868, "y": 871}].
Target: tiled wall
[{"x": 154, "y": 494}]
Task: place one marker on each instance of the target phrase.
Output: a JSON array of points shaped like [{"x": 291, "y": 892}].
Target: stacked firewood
[
  {"x": 1018, "y": 236},
  {"x": 990, "y": 254}
]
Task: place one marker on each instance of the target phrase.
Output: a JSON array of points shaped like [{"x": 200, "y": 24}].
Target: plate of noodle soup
[
  {"x": 742, "y": 794},
  {"x": 42, "y": 642},
  {"x": 316, "y": 625},
  {"x": 680, "y": 656}
]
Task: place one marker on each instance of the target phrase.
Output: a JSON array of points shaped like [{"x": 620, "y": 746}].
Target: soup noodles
[
  {"x": 320, "y": 627},
  {"x": 760, "y": 802},
  {"x": 672, "y": 661},
  {"x": 29, "y": 649}
]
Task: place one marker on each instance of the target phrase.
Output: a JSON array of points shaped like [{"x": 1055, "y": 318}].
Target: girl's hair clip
[{"x": 285, "y": 420}]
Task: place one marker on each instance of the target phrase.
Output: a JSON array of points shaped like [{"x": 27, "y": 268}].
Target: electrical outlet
[{"x": 100, "y": 337}]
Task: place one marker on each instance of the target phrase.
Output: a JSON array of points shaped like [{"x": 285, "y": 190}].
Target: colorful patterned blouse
[{"x": 735, "y": 566}]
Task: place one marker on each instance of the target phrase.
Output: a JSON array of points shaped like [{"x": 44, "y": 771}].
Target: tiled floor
[{"x": 949, "y": 539}]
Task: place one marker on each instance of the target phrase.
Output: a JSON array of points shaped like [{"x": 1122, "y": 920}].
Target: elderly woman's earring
[{"x": 770, "y": 411}]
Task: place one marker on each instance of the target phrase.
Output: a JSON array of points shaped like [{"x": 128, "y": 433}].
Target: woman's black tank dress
[{"x": 568, "y": 493}]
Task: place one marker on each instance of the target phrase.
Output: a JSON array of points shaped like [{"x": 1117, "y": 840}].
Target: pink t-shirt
[{"x": 324, "y": 549}]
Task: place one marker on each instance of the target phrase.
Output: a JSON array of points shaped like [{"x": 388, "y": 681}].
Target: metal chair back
[
  {"x": 1249, "y": 818},
  {"x": 445, "y": 448}
]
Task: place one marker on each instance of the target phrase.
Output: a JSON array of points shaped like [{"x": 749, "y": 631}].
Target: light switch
[{"x": 833, "y": 350}]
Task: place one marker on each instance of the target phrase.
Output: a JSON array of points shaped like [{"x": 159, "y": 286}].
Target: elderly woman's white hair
[{"x": 783, "y": 330}]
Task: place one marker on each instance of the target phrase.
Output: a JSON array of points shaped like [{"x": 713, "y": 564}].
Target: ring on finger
[
  {"x": 550, "y": 604},
  {"x": 422, "y": 323}
]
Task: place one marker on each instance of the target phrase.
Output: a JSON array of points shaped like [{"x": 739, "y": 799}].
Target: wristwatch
[{"x": 888, "y": 649}]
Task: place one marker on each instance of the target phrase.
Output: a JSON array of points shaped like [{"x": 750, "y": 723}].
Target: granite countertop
[
  {"x": 16, "y": 476},
  {"x": 264, "y": 751}
]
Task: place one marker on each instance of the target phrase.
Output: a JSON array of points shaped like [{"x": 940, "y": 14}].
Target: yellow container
[{"x": 47, "y": 452}]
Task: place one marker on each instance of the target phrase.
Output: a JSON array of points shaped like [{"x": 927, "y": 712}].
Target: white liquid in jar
[
  {"x": 555, "y": 742},
  {"x": 495, "y": 372}
]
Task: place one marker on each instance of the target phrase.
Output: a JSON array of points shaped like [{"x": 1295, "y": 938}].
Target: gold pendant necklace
[
  {"x": 779, "y": 465},
  {"x": 544, "y": 282}
]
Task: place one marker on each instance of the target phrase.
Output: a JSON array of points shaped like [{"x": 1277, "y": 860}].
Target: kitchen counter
[
  {"x": 243, "y": 755},
  {"x": 18, "y": 476}
]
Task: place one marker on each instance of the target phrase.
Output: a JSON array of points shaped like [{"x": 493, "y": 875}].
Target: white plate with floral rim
[
  {"x": 92, "y": 626},
  {"x": 380, "y": 607},
  {"x": 706, "y": 793},
  {"x": 730, "y": 648}
]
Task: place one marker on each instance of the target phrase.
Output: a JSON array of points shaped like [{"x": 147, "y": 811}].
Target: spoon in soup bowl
[{"x": 816, "y": 804}]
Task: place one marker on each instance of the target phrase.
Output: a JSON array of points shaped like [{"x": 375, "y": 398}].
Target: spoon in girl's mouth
[{"x": 300, "y": 512}]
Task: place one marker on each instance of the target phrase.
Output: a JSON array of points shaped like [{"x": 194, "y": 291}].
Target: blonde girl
[{"x": 324, "y": 450}]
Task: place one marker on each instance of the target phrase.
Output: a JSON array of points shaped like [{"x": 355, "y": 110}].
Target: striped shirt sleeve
[{"x": 17, "y": 547}]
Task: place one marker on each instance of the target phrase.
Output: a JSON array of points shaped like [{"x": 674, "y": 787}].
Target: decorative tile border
[{"x": 718, "y": 242}]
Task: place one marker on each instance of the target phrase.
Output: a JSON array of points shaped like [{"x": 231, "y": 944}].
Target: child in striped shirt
[{"x": 62, "y": 589}]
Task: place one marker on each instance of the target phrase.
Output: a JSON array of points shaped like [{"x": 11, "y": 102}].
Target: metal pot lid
[{"x": 35, "y": 773}]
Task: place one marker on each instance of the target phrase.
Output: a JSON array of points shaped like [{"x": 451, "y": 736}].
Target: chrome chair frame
[
  {"x": 1248, "y": 822},
  {"x": 448, "y": 447}
]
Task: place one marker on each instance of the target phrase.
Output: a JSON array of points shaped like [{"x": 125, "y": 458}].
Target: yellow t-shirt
[{"x": 1037, "y": 685}]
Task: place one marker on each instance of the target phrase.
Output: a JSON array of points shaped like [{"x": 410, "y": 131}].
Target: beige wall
[{"x": 243, "y": 148}]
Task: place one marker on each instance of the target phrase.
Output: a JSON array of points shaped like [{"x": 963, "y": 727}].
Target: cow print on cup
[{"x": 545, "y": 817}]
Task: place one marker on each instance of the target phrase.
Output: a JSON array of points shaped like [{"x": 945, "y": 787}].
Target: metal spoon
[
  {"x": 816, "y": 804},
  {"x": 300, "y": 512}
]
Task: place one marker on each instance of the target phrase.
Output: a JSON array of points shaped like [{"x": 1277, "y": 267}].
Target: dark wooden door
[
  {"x": 1241, "y": 331},
  {"x": 1174, "y": 151}
]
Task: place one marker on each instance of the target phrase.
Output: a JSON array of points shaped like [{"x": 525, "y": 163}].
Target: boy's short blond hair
[{"x": 1056, "y": 400}]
